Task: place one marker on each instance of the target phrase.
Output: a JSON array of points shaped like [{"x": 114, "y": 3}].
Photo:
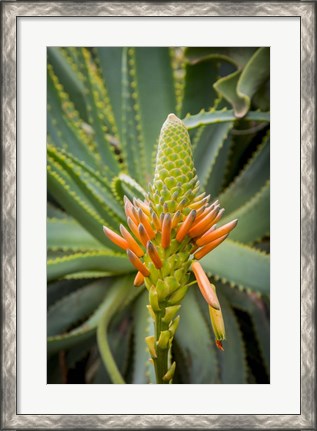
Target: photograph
[
  {"x": 158, "y": 223},
  {"x": 158, "y": 215}
]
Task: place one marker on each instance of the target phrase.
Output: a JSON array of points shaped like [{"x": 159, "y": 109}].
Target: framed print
[{"x": 158, "y": 223}]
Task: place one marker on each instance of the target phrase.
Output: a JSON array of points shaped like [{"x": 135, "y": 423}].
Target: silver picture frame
[{"x": 10, "y": 13}]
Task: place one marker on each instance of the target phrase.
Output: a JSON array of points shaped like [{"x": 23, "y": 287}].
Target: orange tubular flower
[
  {"x": 115, "y": 238},
  {"x": 132, "y": 244},
  {"x": 205, "y": 287},
  {"x": 183, "y": 230},
  {"x": 152, "y": 252},
  {"x": 137, "y": 263}
]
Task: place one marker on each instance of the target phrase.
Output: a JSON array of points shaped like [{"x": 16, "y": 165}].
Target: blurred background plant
[{"x": 105, "y": 110}]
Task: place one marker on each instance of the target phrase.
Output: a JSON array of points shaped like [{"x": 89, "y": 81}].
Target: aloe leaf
[
  {"x": 133, "y": 150},
  {"x": 246, "y": 137},
  {"x": 250, "y": 180},
  {"x": 116, "y": 301},
  {"x": 223, "y": 116},
  {"x": 261, "y": 99},
  {"x": 82, "y": 275},
  {"x": 54, "y": 374},
  {"x": 56, "y": 213},
  {"x": 217, "y": 175},
  {"x": 69, "y": 195},
  {"x": 254, "y": 218},
  {"x": 120, "y": 340},
  {"x": 143, "y": 370},
  {"x": 67, "y": 234},
  {"x": 64, "y": 190},
  {"x": 55, "y": 254},
  {"x": 239, "y": 87},
  {"x": 100, "y": 375},
  {"x": 88, "y": 328},
  {"x": 227, "y": 87},
  {"x": 254, "y": 306},
  {"x": 198, "y": 92},
  {"x": 110, "y": 60},
  {"x": 100, "y": 114},
  {"x": 195, "y": 340},
  {"x": 156, "y": 96},
  {"x": 63, "y": 67},
  {"x": 57, "y": 343},
  {"x": 233, "y": 359},
  {"x": 79, "y": 351},
  {"x": 100, "y": 185},
  {"x": 97, "y": 194},
  {"x": 182, "y": 372},
  {"x": 64, "y": 126},
  {"x": 241, "y": 265},
  {"x": 236, "y": 56},
  {"x": 59, "y": 288},
  {"x": 124, "y": 185},
  {"x": 254, "y": 75},
  {"x": 207, "y": 149},
  {"x": 91, "y": 261},
  {"x": 72, "y": 308},
  {"x": 141, "y": 120},
  {"x": 262, "y": 330}
]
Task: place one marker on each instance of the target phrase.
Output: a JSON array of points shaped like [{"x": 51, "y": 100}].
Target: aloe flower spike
[{"x": 172, "y": 229}]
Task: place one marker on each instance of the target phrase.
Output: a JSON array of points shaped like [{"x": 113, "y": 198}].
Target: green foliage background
[{"x": 105, "y": 110}]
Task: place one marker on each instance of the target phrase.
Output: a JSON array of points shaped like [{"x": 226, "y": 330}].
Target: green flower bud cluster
[{"x": 175, "y": 183}]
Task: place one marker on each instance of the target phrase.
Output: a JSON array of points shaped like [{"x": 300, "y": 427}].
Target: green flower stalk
[{"x": 171, "y": 230}]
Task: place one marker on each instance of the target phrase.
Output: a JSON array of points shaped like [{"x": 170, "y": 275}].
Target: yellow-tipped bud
[
  {"x": 144, "y": 206},
  {"x": 198, "y": 204},
  {"x": 218, "y": 325},
  {"x": 177, "y": 296},
  {"x": 163, "y": 341},
  {"x": 200, "y": 197},
  {"x": 153, "y": 297},
  {"x": 151, "y": 312},
  {"x": 170, "y": 313},
  {"x": 130, "y": 210},
  {"x": 150, "y": 341},
  {"x": 174, "y": 325},
  {"x": 170, "y": 373}
]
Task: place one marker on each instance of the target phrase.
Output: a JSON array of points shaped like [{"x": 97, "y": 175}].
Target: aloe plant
[{"x": 106, "y": 107}]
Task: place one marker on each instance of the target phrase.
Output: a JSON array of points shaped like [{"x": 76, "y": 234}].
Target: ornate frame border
[{"x": 9, "y": 13}]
